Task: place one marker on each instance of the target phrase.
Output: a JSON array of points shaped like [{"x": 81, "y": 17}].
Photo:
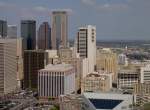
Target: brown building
[
  {"x": 95, "y": 82},
  {"x": 34, "y": 60},
  {"x": 59, "y": 32},
  {"x": 142, "y": 93},
  {"x": 44, "y": 36},
  {"x": 107, "y": 60}
]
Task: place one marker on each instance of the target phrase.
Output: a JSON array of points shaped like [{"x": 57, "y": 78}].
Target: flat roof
[{"x": 58, "y": 67}]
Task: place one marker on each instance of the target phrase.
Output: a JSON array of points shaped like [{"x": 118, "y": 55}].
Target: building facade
[
  {"x": 59, "y": 33},
  {"x": 106, "y": 60},
  {"x": 28, "y": 33},
  {"x": 3, "y": 28},
  {"x": 8, "y": 65},
  {"x": 56, "y": 80},
  {"x": 96, "y": 82},
  {"x": 34, "y": 60},
  {"x": 44, "y": 36},
  {"x": 12, "y": 31},
  {"x": 128, "y": 78},
  {"x": 142, "y": 93},
  {"x": 145, "y": 73},
  {"x": 86, "y": 45}
]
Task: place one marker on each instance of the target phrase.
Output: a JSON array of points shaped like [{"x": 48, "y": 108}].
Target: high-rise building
[
  {"x": 28, "y": 33},
  {"x": 59, "y": 33},
  {"x": 44, "y": 36},
  {"x": 55, "y": 80},
  {"x": 106, "y": 60},
  {"x": 19, "y": 62},
  {"x": 86, "y": 45},
  {"x": 12, "y": 31},
  {"x": 34, "y": 60},
  {"x": 3, "y": 28},
  {"x": 8, "y": 65}
]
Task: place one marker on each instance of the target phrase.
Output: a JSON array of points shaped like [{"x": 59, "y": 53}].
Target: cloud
[
  {"x": 107, "y": 5},
  {"x": 112, "y": 7},
  {"x": 7, "y": 6},
  {"x": 88, "y": 2}
]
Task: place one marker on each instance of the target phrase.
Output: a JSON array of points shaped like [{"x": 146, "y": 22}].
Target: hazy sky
[{"x": 114, "y": 19}]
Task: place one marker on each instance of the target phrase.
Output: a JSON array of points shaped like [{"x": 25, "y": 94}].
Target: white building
[
  {"x": 12, "y": 31},
  {"x": 128, "y": 78},
  {"x": 8, "y": 65},
  {"x": 122, "y": 59},
  {"x": 108, "y": 101},
  {"x": 145, "y": 74},
  {"x": 55, "y": 80},
  {"x": 86, "y": 45}
]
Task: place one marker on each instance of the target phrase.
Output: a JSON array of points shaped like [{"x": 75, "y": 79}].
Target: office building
[
  {"x": 127, "y": 78},
  {"x": 19, "y": 62},
  {"x": 66, "y": 56},
  {"x": 34, "y": 60},
  {"x": 44, "y": 36},
  {"x": 122, "y": 59},
  {"x": 96, "y": 82},
  {"x": 142, "y": 93},
  {"x": 28, "y": 33},
  {"x": 12, "y": 31},
  {"x": 8, "y": 65},
  {"x": 107, "y": 60},
  {"x": 55, "y": 80},
  {"x": 59, "y": 33},
  {"x": 145, "y": 73},
  {"x": 3, "y": 28},
  {"x": 65, "y": 53},
  {"x": 86, "y": 45}
]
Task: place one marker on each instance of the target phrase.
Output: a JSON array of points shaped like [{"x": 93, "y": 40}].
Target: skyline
[{"x": 114, "y": 19}]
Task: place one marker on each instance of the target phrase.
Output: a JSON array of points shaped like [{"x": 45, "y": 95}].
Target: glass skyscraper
[
  {"x": 28, "y": 33},
  {"x": 3, "y": 28}
]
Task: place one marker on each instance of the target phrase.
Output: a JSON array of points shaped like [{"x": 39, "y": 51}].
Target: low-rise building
[
  {"x": 127, "y": 78},
  {"x": 55, "y": 80},
  {"x": 142, "y": 93},
  {"x": 96, "y": 81}
]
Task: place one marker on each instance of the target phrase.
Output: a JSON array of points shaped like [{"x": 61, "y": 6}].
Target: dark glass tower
[
  {"x": 28, "y": 33},
  {"x": 44, "y": 36},
  {"x": 3, "y": 28}
]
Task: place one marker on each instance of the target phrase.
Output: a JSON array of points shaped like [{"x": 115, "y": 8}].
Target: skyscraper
[
  {"x": 8, "y": 65},
  {"x": 86, "y": 45},
  {"x": 59, "y": 25},
  {"x": 44, "y": 36},
  {"x": 28, "y": 33},
  {"x": 12, "y": 31},
  {"x": 34, "y": 60},
  {"x": 3, "y": 28}
]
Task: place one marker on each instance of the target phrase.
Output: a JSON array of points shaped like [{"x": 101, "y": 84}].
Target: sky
[{"x": 114, "y": 19}]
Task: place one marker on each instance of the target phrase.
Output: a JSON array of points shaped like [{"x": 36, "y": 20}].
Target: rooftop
[{"x": 58, "y": 67}]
